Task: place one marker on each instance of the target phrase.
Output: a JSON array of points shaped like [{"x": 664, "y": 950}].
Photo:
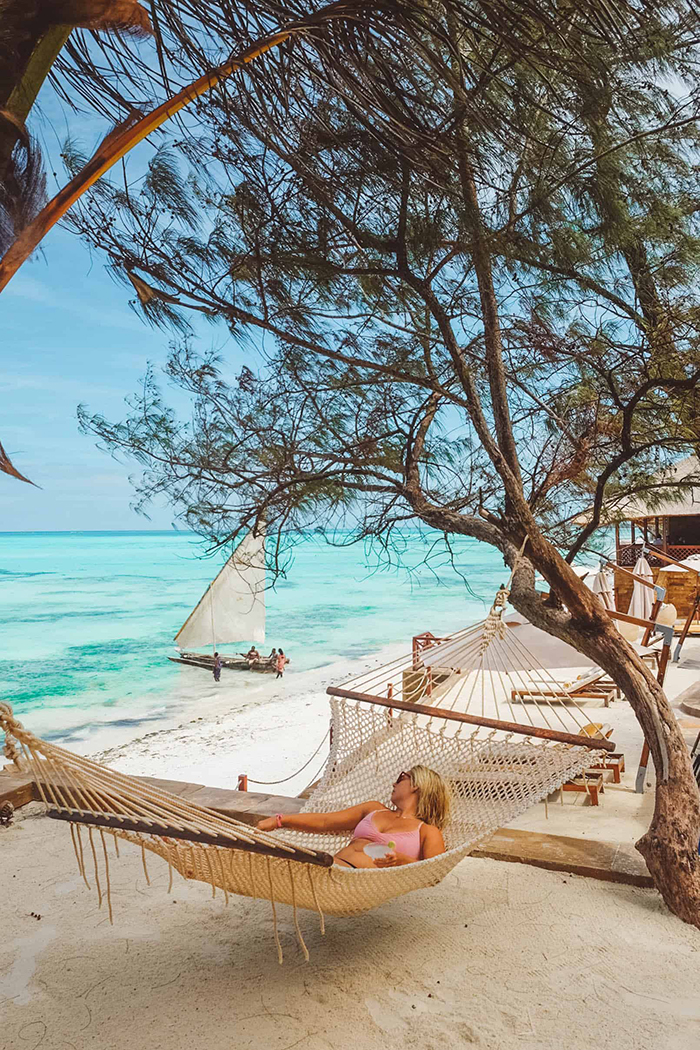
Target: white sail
[{"x": 232, "y": 609}]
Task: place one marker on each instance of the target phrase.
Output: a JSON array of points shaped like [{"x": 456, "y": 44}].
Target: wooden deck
[
  {"x": 247, "y": 806},
  {"x": 605, "y": 861}
]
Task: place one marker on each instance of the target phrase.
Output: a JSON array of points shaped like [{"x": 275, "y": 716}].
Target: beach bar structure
[{"x": 669, "y": 533}]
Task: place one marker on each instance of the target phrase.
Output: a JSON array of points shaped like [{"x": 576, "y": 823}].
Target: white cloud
[{"x": 35, "y": 291}]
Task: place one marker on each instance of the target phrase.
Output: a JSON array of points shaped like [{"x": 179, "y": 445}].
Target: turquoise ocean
[{"x": 87, "y": 619}]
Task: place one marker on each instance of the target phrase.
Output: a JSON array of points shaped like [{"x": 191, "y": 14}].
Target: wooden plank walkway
[
  {"x": 247, "y": 806},
  {"x": 597, "y": 860},
  {"x": 605, "y": 861}
]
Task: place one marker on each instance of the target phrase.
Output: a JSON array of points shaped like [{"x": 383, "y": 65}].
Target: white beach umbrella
[
  {"x": 642, "y": 597},
  {"x": 601, "y": 585},
  {"x": 691, "y": 564}
]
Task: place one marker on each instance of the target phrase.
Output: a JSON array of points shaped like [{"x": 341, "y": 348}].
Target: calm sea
[{"x": 87, "y": 619}]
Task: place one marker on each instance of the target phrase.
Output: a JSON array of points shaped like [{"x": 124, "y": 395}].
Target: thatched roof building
[
  {"x": 676, "y": 503},
  {"x": 667, "y": 519}
]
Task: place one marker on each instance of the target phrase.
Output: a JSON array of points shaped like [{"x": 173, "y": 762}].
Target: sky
[{"x": 69, "y": 336}]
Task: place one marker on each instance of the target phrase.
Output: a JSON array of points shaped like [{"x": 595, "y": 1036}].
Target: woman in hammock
[{"x": 412, "y": 828}]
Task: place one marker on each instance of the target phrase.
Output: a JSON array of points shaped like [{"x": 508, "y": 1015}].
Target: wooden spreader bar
[
  {"x": 594, "y": 743},
  {"x": 106, "y": 820}
]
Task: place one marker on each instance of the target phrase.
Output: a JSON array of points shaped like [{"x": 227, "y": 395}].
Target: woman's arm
[
  {"x": 431, "y": 841},
  {"x": 342, "y": 820},
  {"x": 432, "y": 844}
]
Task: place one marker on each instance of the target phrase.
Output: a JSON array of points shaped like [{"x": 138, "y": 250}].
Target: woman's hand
[
  {"x": 390, "y": 860},
  {"x": 268, "y": 824}
]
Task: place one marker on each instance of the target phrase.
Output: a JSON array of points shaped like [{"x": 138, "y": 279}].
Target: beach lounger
[
  {"x": 614, "y": 763},
  {"x": 593, "y": 685},
  {"x": 589, "y": 782},
  {"x": 650, "y": 654}
]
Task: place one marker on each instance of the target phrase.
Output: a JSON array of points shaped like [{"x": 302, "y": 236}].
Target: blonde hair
[{"x": 433, "y": 796}]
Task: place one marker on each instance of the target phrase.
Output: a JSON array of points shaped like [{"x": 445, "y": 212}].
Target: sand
[{"x": 498, "y": 956}]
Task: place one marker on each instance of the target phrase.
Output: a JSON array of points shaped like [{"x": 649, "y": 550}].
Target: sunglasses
[{"x": 402, "y": 776}]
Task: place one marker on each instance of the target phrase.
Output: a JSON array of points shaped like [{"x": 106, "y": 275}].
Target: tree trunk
[{"x": 670, "y": 846}]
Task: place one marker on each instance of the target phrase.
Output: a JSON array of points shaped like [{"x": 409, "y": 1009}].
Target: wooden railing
[
  {"x": 627, "y": 554},
  {"x": 421, "y": 642}
]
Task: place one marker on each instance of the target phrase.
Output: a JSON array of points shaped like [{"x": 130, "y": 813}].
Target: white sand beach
[{"x": 498, "y": 956}]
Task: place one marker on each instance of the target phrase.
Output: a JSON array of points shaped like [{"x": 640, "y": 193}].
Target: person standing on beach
[
  {"x": 281, "y": 661},
  {"x": 217, "y": 667}
]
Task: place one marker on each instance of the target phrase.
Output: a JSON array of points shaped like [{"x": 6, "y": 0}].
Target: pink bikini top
[{"x": 407, "y": 842}]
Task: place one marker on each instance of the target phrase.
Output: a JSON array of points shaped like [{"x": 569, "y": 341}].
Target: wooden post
[
  {"x": 644, "y": 758},
  {"x": 242, "y": 782},
  {"x": 642, "y": 770},
  {"x": 663, "y": 663},
  {"x": 655, "y": 610}
]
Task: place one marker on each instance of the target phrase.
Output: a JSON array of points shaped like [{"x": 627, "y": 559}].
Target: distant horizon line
[{"x": 68, "y": 532}]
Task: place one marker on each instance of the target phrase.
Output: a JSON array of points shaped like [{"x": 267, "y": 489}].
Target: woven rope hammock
[{"x": 494, "y": 772}]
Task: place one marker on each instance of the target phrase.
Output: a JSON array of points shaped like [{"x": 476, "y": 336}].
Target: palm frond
[
  {"x": 119, "y": 15},
  {"x": 23, "y": 186},
  {"x": 7, "y": 467}
]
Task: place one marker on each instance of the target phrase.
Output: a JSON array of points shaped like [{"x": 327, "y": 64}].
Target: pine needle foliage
[{"x": 336, "y": 222}]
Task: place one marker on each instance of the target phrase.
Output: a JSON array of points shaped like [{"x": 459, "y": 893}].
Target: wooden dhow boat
[
  {"x": 231, "y": 611},
  {"x": 231, "y": 663}
]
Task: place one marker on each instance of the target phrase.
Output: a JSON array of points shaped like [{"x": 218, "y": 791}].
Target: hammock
[{"x": 493, "y": 772}]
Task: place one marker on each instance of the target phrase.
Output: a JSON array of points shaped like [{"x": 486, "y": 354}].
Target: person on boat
[
  {"x": 217, "y": 667},
  {"x": 272, "y": 659},
  {"x": 252, "y": 656},
  {"x": 280, "y": 662},
  {"x": 411, "y": 826}
]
